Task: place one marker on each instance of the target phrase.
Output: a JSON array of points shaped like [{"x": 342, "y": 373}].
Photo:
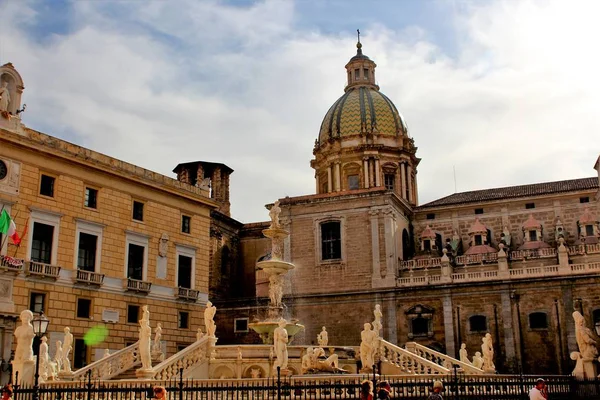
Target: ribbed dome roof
[{"x": 362, "y": 109}]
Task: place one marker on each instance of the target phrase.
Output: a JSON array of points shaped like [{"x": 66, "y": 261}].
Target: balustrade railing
[
  {"x": 533, "y": 253},
  {"x": 138, "y": 286},
  {"x": 187, "y": 294},
  {"x": 476, "y": 259},
  {"x": 442, "y": 359},
  {"x": 89, "y": 277},
  {"x": 191, "y": 356},
  {"x": 112, "y": 365},
  {"x": 41, "y": 269},
  {"x": 408, "y": 362},
  {"x": 421, "y": 263},
  {"x": 11, "y": 263}
]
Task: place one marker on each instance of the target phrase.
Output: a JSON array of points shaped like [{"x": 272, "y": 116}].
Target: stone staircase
[{"x": 129, "y": 375}]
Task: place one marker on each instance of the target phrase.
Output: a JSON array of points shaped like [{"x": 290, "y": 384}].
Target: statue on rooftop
[
  {"x": 274, "y": 214},
  {"x": 4, "y": 96}
]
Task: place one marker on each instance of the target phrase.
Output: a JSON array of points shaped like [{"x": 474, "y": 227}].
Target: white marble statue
[
  {"x": 58, "y": 356},
  {"x": 145, "y": 335},
  {"x": 199, "y": 334},
  {"x": 487, "y": 349},
  {"x": 368, "y": 347},
  {"x": 505, "y": 236},
  {"x": 323, "y": 338},
  {"x": 44, "y": 359},
  {"x": 464, "y": 355},
  {"x": 145, "y": 314},
  {"x": 280, "y": 341},
  {"x": 24, "y": 335},
  {"x": 274, "y": 214},
  {"x": 4, "y": 96},
  {"x": 585, "y": 338},
  {"x": 276, "y": 289},
  {"x": 477, "y": 360},
  {"x": 377, "y": 325},
  {"x": 66, "y": 350},
  {"x": 311, "y": 361},
  {"x": 209, "y": 319},
  {"x": 156, "y": 348},
  {"x": 106, "y": 368},
  {"x": 163, "y": 245}
]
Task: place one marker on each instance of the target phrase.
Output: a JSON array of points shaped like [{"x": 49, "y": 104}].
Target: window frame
[
  {"x": 235, "y": 328},
  {"x": 47, "y": 218},
  {"x": 140, "y": 240},
  {"x": 143, "y": 203},
  {"x": 90, "y": 228},
  {"x": 485, "y": 321},
  {"x": 85, "y": 189},
  {"x": 350, "y": 187},
  {"x": 189, "y": 225},
  {"x": 529, "y": 206},
  {"x": 137, "y": 318},
  {"x": 430, "y": 216},
  {"x": 547, "y": 320},
  {"x": 478, "y": 211},
  {"x": 90, "y": 308},
  {"x": 584, "y": 199},
  {"x": 391, "y": 175},
  {"x": 179, "y": 319},
  {"x": 44, "y": 301},
  {"x": 186, "y": 251},
  {"x": 331, "y": 244},
  {"x": 87, "y": 349},
  {"x": 54, "y": 181},
  {"x": 317, "y": 222}
]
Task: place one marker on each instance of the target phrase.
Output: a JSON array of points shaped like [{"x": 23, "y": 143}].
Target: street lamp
[{"x": 40, "y": 325}]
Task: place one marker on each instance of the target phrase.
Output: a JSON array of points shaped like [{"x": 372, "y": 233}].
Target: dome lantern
[{"x": 360, "y": 69}]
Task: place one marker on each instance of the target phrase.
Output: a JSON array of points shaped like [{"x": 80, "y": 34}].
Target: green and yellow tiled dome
[{"x": 362, "y": 109}]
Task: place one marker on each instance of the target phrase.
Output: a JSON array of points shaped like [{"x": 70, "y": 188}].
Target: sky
[{"x": 502, "y": 92}]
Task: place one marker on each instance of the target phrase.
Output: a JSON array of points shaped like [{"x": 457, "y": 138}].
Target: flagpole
[
  {"x": 4, "y": 240},
  {"x": 22, "y": 235}
]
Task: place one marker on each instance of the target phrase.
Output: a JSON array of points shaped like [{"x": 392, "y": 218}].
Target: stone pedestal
[
  {"x": 563, "y": 257},
  {"x": 502, "y": 263},
  {"x": 584, "y": 368},
  {"x": 65, "y": 375},
  {"x": 447, "y": 269},
  {"x": 26, "y": 370},
  {"x": 144, "y": 373}
]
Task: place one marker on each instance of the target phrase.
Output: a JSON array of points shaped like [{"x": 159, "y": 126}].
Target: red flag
[{"x": 16, "y": 238}]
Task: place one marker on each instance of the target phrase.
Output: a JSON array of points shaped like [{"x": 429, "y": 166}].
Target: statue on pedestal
[
  {"x": 280, "y": 341},
  {"x": 58, "y": 356},
  {"x": 156, "y": 348},
  {"x": 368, "y": 347},
  {"x": 312, "y": 363},
  {"x": 377, "y": 325},
  {"x": 44, "y": 359},
  {"x": 487, "y": 348},
  {"x": 199, "y": 334},
  {"x": 323, "y": 338},
  {"x": 66, "y": 350},
  {"x": 274, "y": 214},
  {"x": 145, "y": 334},
  {"x": 464, "y": 355},
  {"x": 24, "y": 335},
  {"x": 588, "y": 353},
  {"x": 275, "y": 289},
  {"x": 209, "y": 322},
  {"x": 477, "y": 360}
]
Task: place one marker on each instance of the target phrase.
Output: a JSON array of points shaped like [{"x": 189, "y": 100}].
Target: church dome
[{"x": 362, "y": 109}]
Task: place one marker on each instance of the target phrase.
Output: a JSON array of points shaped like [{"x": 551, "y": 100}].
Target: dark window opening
[
  {"x": 183, "y": 320},
  {"x": 80, "y": 354},
  {"x": 331, "y": 241},
  {"x": 47, "y": 185},
  {"x": 478, "y": 240},
  {"x": 356, "y": 74},
  {"x": 353, "y": 182},
  {"x": 479, "y": 211},
  {"x": 241, "y": 325},
  {"x": 184, "y": 273},
  {"x": 37, "y": 302},
  {"x": 84, "y": 308},
  {"x": 420, "y": 326},
  {"x": 478, "y": 323},
  {"x": 366, "y": 74},
  {"x": 589, "y": 230},
  {"x": 86, "y": 255},
  {"x": 538, "y": 320},
  {"x": 389, "y": 181},
  {"x": 138, "y": 211},
  {"x": 431, "y": 216},
  {"x": 181, "y": 346},
  {"x": 186, "y": 224},
  {"x": 225, "y": 258},
  {"x": 41, "y": 245},
  {"x": 91, "y": 198},
  {"x": 533, "y": 236},
  {"x": 427, "y": 245},
  {"x": 133, "y": 313},
  {"x": 324, "y": 187},
  {"x": 584, "y": 199},
  {"x": 596, "y": 319},
  {"x": 135, "y": 262},
  {"x": 529, "y": 206}
]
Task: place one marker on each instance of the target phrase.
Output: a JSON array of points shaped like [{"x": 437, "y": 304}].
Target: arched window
[
  {"x": 478, "y": 323},
  {"x": 406, "y": 246},
  {"x": 538, "y": 320}
]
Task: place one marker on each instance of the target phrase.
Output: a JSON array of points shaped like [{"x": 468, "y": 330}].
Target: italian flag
[{"x": 8, "y": 227}]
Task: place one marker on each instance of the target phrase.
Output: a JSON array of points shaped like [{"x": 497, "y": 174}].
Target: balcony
[
  {"x": 187, "y": 294},
  {"x": 471, "y": 259},
  {"x": 138, "y": 286},
  {"x": 11, "y": 264},
  {"x": 89, "y": 278},
  {"x": 35, "y": 268},
  {"x": 533, "y": 254}
]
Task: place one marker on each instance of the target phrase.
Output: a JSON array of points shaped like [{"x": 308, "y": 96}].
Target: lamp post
[{"x": 40, "y": 325}]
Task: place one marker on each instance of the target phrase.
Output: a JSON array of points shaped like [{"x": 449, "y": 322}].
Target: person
[
  {"x": 438, "y": 386},
  {"x": 366, "y": 390},
  {"x": 538, "y": 392},
  {"x": 7, "y": 392},
  {"x": 383, "y": 390},
  {"x": 160, "y": 393}
]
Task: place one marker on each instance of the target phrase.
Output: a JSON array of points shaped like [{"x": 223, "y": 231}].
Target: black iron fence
[{"x": 456, "y": 387}]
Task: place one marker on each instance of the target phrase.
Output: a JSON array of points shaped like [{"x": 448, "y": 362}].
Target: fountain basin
[
  {"x": 272, "y": 267},
  {"x": 265, "y": 330}
]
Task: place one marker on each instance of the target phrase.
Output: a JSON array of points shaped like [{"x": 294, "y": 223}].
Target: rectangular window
[
  {"x": 529, "y": 206},
  {"x": 47, "y": 185},
  {"x": 91, "y": 198},
  {"x": 533, "y": 236},
  {"x": 186, "y": 224},
  {"x": 181, "y": 346},
  {"x": 240, "y": 325},
  {"x": 356, "y": 74},
  {"x": 431, "y": 216},
  {"x": 41, "y": 244},
  {"x": 183, "y": 321},
  {"x": 589, "y": 230},
  {"x": 184, "y": 272},
  {"x": 86, "y": 255},
  {"x": 84, "y": 308},
  {"x": 479, "y": 211},
  {"x": 133, "y": 313},
  {"x": 80, "y": 354},
  {"x": 427, "y": 245},
  {"x": 365, "y": 74},
  {"x": 324, "y": 187},
  {"x": 584, "y": 199},
  {"x": 135, "y": 262},
  {"x": 389, "y": 181},
  {"x": 331, "y": 241},
  {"x": 37, "y": 302},
  {"x": 478, "y": 240},
  {"x": 138, "y": 210},
  {"x": 353, "y": 182}
]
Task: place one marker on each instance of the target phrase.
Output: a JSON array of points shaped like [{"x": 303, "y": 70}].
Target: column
[
  {"x": 329, "y": 176},
  {"x": 371, "y": 172},
  {"x": 318, "y": 187},
  {"x": 390, "y": 327},
  {"x": 416, "y": 190},
  {"x": 366, "y": 171},
  {"x": 338, "y": 177},
  {"x": 449, "y": 326},
  {"x": 409, "y": 182},
  {"x": 391, "y": 258},
  {"x": 377, "y": 172},
  {"x": 375, "y": 244},
  {"x": 403, "y": 178},
  {"x": 507, "y": 327}
]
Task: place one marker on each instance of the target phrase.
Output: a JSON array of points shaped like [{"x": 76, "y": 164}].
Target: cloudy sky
[{"x": 506, "y": 92}]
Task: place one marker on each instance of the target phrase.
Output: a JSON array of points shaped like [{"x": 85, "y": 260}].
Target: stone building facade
[{"x": 514, "y": 262}]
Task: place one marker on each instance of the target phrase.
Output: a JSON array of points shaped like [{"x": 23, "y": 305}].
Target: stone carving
[
  {"x": 4, "y": 96},
  {"x": 58, "y": 356},
  {"x": 323, "y": 338},
  {"x": 44, "y": 359},
  {"x": 505, "y": 236},
  {"x": 199, "y": 334},
  {"x": 204, "y": 184},
  {"x": 274, "y": 215},
  {"x": 312, "y": 363},
  {"x": 106, "y": 369},
  {"x": 464, "y": 355},
  {"x": 275, "y": 289},
  {"x": 239, "y": 353},
  {"x": 587, "y": 353},
  {"x": 255, "y": 373},
  {"x": 24, "y": 335},
  {"x": 377, "y": 325},
  {"x": 67, "y": 346},
  {"x": 487, "y": 348},
  {"x": 478, "y": 360},
  {"x": 209, "y": 322},
  {"x": 157, "y": 336},
  {"x": 280, "y": 341},
  {"x": 145, "y": 339},
  {"x": 368, "y": 347},
  {"x": 454, "y": 243},
  {"x": 559, "y": 230},
  {"x": 163, "y": 245}
]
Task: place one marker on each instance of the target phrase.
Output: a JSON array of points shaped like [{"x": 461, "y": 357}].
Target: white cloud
[{"x": 161, "y": 83}]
